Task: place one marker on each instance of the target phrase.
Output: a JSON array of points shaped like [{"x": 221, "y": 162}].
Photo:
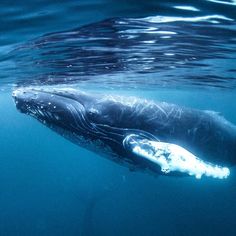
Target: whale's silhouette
[{"x": 144, "y": 135}]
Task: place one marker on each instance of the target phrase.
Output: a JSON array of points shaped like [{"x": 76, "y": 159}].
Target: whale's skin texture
[{"x": 101, "y": 122}]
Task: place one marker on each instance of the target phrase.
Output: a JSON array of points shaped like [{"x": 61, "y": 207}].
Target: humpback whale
[{"x": 155, "y": 137}]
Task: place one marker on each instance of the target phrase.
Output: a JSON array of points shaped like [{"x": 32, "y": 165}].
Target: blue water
[{"x": 179, "y": 52}]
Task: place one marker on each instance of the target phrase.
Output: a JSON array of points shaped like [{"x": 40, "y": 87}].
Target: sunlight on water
[
  {"x": 187, "y": 8},
  {"x": 166, "y": 19},
  {"x": 151, "y": 51},
  {"x": 232, "y": 2}
]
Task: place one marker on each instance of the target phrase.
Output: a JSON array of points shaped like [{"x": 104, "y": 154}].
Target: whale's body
[{"x": 142, "y": 134}]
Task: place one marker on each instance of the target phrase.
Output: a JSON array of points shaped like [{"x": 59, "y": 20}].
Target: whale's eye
[{"x": 92, "y": 113}]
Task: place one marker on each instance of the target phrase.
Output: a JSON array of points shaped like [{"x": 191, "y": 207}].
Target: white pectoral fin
[{"x": 173, "y": 158}]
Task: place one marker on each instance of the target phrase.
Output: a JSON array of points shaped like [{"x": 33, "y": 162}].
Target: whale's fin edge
[{"x": 172, "y": 158}]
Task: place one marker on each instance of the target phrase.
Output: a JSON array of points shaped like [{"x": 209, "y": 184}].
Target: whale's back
[{"x": 205, "y": 133}]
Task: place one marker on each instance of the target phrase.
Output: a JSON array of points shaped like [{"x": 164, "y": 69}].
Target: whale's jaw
[{"x": 57, "y": 109}]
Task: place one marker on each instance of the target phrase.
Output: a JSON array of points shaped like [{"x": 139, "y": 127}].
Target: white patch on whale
[{"x": 171, "y": 158}]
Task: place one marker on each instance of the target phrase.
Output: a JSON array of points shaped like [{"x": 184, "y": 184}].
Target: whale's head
[
  {"x": 85, "y": 119},
  {"x": 72, "y": 109},
  {"x": 53, "y": 107}
]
